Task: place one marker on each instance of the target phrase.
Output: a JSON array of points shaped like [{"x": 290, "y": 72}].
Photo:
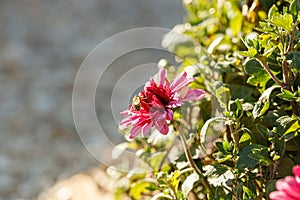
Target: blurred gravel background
[{"x": 42, "y": 46}]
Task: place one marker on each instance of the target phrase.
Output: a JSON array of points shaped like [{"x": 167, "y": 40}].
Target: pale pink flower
[
  {"x": 156, "y": 102},
  {"x": 288, "y": 188}
]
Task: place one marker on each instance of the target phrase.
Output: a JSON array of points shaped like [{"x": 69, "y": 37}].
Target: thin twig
[
  {"x": 191, "y": 161},
  {"x": 266, "y": 67},
  {"x": 275, "y": 166}
]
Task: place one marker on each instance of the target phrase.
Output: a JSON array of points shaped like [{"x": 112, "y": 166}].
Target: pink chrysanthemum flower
[
  {"x": 153, "y": 106},
  {"x": 288, "y": 188}
]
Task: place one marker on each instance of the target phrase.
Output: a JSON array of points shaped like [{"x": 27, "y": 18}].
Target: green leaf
[
  {"x": 264, "y": 131},
  {"x": 248, "y": 194},
  {"x": 220, "y": 194},
  {"x": 223, "y": 95},
  {"x": 135, "y": 174},
  {"x": 225, "y": 151},
  {"x": 293, "y": 129},
  {"x": 252, "y": 155},
  {"x": 294, "y": 143},
  {"x": 140, "y": 188},
  {"x": 240, "y": 91},
  {"x": 215, "y": 169},
  {"x": 188, "y": 184},
  {"x": 273, "y": 11},
  {"x": 287, "y": 95},
  {"x": 284, "y": 123},
  {"x": 237, "y": 108},
  {"x": 225, "y": 146},
  {"x": 175, "y": 180},
  {"x": 294, "y": 9},
  {"x": 205, "y": 127},
  {"x": 250, "y": 53},
  {"x": 270, "y": 187},
  {"x": 258, "y": 76},
  {"x": 279, "y": 146},
  {"x": 263, "y": 103},
  {"x": 245, "y": 140},
  {"x": 156, "y": 160},
  {"x": 294, "y": 57},
  {"x": 284, "y": 21},
  {"x": 236, "y": 21}
]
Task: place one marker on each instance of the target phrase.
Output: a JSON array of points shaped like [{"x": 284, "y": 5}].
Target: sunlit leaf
[
  {"x": 263, "y": 103},
  {"x": 258, "y": 76},
  {"x": 188, "y": 184}
]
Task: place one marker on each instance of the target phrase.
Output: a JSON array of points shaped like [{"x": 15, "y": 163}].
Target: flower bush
[{"x": 241, "y": 138}]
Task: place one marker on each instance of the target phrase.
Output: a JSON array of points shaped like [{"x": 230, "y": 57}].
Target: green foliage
[{"x": 246, "y": 133}]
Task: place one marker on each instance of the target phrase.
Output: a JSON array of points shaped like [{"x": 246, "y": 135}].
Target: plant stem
[
  {"x": 234, "y": 136},
  {"x": 275, "y": 166},
  {"x": 191, "y": 161},
  {"x": 267, "y": 68},
  {"x": 286, "y": 75}
]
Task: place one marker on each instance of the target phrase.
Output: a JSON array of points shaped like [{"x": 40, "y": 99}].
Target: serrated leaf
[
  {"x": 188, "y": 184},
  {"x": 263, "y": 103}
]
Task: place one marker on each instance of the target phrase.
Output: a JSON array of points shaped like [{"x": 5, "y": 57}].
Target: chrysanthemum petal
[
  {"x": 193, "y": 94},
  {"x": 146, "y": 129},
  {"x": 180, "y": 81},
  {"x": 125, "y": 123},
  {"x": 161, "y": 77},
  {"x": 277, "y": 195},
  {"x": 169, "y": 115},
  {"x": 135, "y": 131},
  {"x": 162, "y": 127},
  {"x": 294, "y": 188},
  {"x": 296, "y": 170}
]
